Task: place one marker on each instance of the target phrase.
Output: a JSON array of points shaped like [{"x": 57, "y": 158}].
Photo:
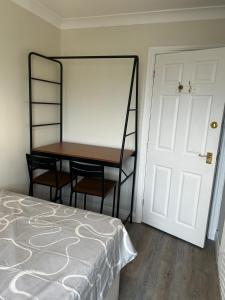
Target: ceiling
[{"x": 91, "y": 8}]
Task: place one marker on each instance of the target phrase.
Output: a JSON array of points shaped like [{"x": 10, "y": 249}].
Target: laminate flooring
[{"x": 168, "y": 268}]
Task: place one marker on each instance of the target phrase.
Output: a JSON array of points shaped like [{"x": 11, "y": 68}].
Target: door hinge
[{"x": 153, "y": 75}]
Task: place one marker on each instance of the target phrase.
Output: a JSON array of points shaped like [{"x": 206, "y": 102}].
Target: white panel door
[{"x": 178, "y": 181}]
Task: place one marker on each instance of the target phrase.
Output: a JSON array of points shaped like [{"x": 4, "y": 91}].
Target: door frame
[{"x": 144, "y": 134}]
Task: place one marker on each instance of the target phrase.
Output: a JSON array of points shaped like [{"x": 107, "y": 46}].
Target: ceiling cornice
[
  {"x": 162, "y": 16},
  {"x": 41, "y": 11}
]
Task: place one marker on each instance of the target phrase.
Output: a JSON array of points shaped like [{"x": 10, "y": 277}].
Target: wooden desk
[
  {"x": 90, "y": 154},
  {"x": 87, "y": 153}
]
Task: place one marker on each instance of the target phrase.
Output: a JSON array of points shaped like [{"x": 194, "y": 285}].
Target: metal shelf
[
  {"x": 46, "y": 103},
  {"x": 48, "y": 124},
  {"x": 45, "y": 80}
]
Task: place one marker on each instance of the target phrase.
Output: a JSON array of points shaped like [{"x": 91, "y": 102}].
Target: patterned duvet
[{"x": 51, "y": 251}]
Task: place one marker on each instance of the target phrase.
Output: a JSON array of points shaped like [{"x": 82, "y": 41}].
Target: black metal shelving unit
[
  {"x": 123, "y": 176},
  {"x": 32, "y": 101}
]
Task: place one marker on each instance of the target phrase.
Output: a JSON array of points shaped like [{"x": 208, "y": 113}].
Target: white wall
[
  {"x": 86, "y": 97},
  {"x": 20, "y": 33}
]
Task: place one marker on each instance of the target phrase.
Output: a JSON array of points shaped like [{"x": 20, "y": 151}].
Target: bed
[{"x": 52, "y": 251}]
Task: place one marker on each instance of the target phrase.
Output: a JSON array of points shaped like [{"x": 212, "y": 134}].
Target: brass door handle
[
  {"x": 214, "y": 124},
  {"x": 208, "y": 156}
]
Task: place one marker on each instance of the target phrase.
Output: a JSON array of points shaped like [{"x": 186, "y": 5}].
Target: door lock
[{"x": 208, "y": 156}]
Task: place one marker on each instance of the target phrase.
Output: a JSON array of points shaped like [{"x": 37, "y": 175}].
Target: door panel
[
  {"x": 167, "y": 122},
  {"x": 161, "y": 176},
  {"x": 197, "y": 125},
  {"x": 172, "y": 73},
  {"x": 188, "y": 199},
  {"x": 205, "y": 72},
  {"x": 178, "y": 181}
]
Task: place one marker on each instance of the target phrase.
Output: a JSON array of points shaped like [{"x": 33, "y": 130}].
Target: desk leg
[
  {"x": 132, "y": 193},
  {"x": 133, "y": 188},
  {"x": 118, "y": 193}
]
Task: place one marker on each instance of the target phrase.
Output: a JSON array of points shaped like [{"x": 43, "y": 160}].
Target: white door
[{"x": 178, "y": 181}]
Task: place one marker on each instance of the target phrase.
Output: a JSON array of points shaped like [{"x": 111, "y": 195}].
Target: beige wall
[
  {"x": 138, "y": 38},
  {"x": 95, "y": 94},
  {"x": 20, "y": 32},
  {"x": 88, "y": 90}
]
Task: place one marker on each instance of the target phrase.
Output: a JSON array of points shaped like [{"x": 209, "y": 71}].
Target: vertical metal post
[
  {"x": 30, "y": 100},
  {"x": 61, "y": 102},
  {"x": 61, "y": 108},
  {"x": 124, "y": 136},
  {"x": 136, "y": 140},
  {"x": 118, "y": 192}
]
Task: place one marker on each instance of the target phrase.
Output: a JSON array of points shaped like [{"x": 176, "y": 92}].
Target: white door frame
[{"x": 144, "y": 133}]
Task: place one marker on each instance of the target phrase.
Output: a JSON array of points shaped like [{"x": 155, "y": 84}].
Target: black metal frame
[
  {"x": 134, "y": 78},
  {"x": 43, "y": 163},
  {"x": 32, "y": 102},
  {"x": 89, "y": 171}
]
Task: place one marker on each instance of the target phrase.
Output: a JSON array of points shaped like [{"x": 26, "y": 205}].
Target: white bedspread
[{"x": 51, "y": 251}]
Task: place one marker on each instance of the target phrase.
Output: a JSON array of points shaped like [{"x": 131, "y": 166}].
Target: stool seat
[
  {"x": 89, "y": 179},
  {"x": 49, "y": 178},
  {"x": 93, "y": 186}
]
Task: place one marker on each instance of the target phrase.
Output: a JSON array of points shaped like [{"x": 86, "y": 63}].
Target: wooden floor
[{"x": 168, "y": 268}]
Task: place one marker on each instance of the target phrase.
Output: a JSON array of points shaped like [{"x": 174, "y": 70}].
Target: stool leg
[
  {"x": 71, "y": 197},
  {"x": 60, "y": 196},
  {"x": 114, "y": 200},
  {"x": 85, "y": 196},
  {"x": 56, "y": 194},
  {"x": 102, "y": 203},
  {"x": 31, "y": 192},
  {"x": 50, "y": 193},
  {"x": 75, "y": 199}
]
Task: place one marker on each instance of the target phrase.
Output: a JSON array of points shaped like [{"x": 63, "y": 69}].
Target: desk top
[{"x": 83, "y": 152}]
